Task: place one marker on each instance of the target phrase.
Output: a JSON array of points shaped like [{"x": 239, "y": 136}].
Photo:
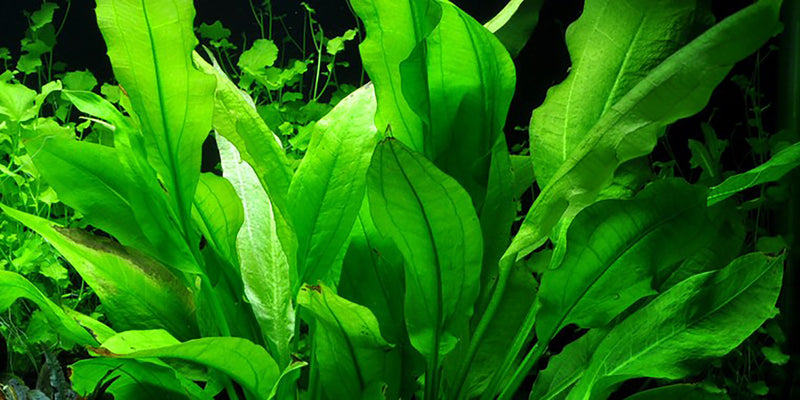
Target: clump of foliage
[{"x": 384, "y": 264}]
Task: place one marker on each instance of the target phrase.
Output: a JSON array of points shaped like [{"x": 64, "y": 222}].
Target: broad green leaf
[
  {"x": 682, "y": 391},
  {"x": 350, "y": 351},
  {"x": 515, "y": 23},
  {"x": 327, "y": 189},
  {"x": 524, "y": 175},
  {"x": 14, "y": 286},
  {"x": 263, "y": 262},
  {"x": 260, "y": 55},
  {"x": 93, "y": 180},
  {"x": 565, "y": 368},
  {"x": 150, "y": 43},
  {"x": 396, "y": 32},
  {"x": 236, "y": 119},
  {"x": 94, "y": 105},
  {"x": 16, "y": 102},
  {"x": 136, "y": 291},
  {"x": 703, "y": 317},
  {"x": 219, "y": 215},
  {"x": 777, "y": 166},
  {"x": 80, "y": 80},
  {"x": 246, "y": 363},
  {"x": 430, "y": 219},
  {"x": 127, "y": 379},
  {"x": 613, "y": 46},
  {"x": 619, "y": 251},
  {"x": 678, "y": 87}
]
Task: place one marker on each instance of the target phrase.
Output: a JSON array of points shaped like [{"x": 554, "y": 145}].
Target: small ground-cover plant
[{"x": 392, "y": 241}]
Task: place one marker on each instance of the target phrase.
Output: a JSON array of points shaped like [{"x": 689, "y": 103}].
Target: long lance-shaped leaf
[
  {"x": 678, "y": 87},
  {"x": 98, "y": 182},
  {"x": 777, "y": 166},
  {"x": 327, "y": 189},
  {"x": 350, "y": 351},
  {"x": 239, "y": 359},
  {"x": 137, "y": 292},
  {"x": 613, "y": 45},
  {"x": 150, "y": 43},
  {"x": 263, "y": 262},
  {"x": 396, "y": 30},
  {"x": 431, "y": 221},
  {"x": 618, "y": 251},
  {"x": 236, "y": 119},
  {"x": 703, "y": 317},
  {"x": 14, "y": 286}
]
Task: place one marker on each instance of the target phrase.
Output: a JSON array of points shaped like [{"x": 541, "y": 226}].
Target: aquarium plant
[{"x": 387, "y": 262}]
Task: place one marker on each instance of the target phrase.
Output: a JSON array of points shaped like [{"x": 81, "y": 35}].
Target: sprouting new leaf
[
  {"x": 430, "y": 219},
  {"x": 350, "y": 351},
  {"x": 618, "y": 251},
  {"x": 777, "y": 166},
  {"x": 703, "y": 317}
]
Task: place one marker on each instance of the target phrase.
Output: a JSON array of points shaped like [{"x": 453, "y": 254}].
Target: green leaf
[
  {"x": 774, "y": 355},
  {"x": 241, "y": 360},
  {"x": 150, "y": 44},
  {"x": 619, "y": 251},
  {"x": 80, "y": 80},
  {"x": 683, "y": 391},
  {"x": 219, "y": 215},
  {"x": 214, "y": 31},
  {"x": 236, "y": 118},
  {"x": 263, "y": 261},
  {"x": 430, "y": 219},
  {"x": 395, "y": 30},
  {"x": 350, "y": 351},
  {"x": 328, "y": 187},
  {"x": 777, "y": 166},
  {"x": 127, "y": 379},
  {"x": 260, "y": 55},
  {"x": 703, "y": 317},
  {"x": 14, "y": 286},
  {"x": 613, "y": 46},
  {"x": 93, "y": 180},
  {"x": 335, "y": 45},
  {"x": 678, "y": 87},
  {"x": 136, "y": 291},
  {"x": 515, "y": 23},
  {"x": 565, "y": 368},
  {"x": 16, "y": 102},
  {"x": 43, "y": 16}
]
